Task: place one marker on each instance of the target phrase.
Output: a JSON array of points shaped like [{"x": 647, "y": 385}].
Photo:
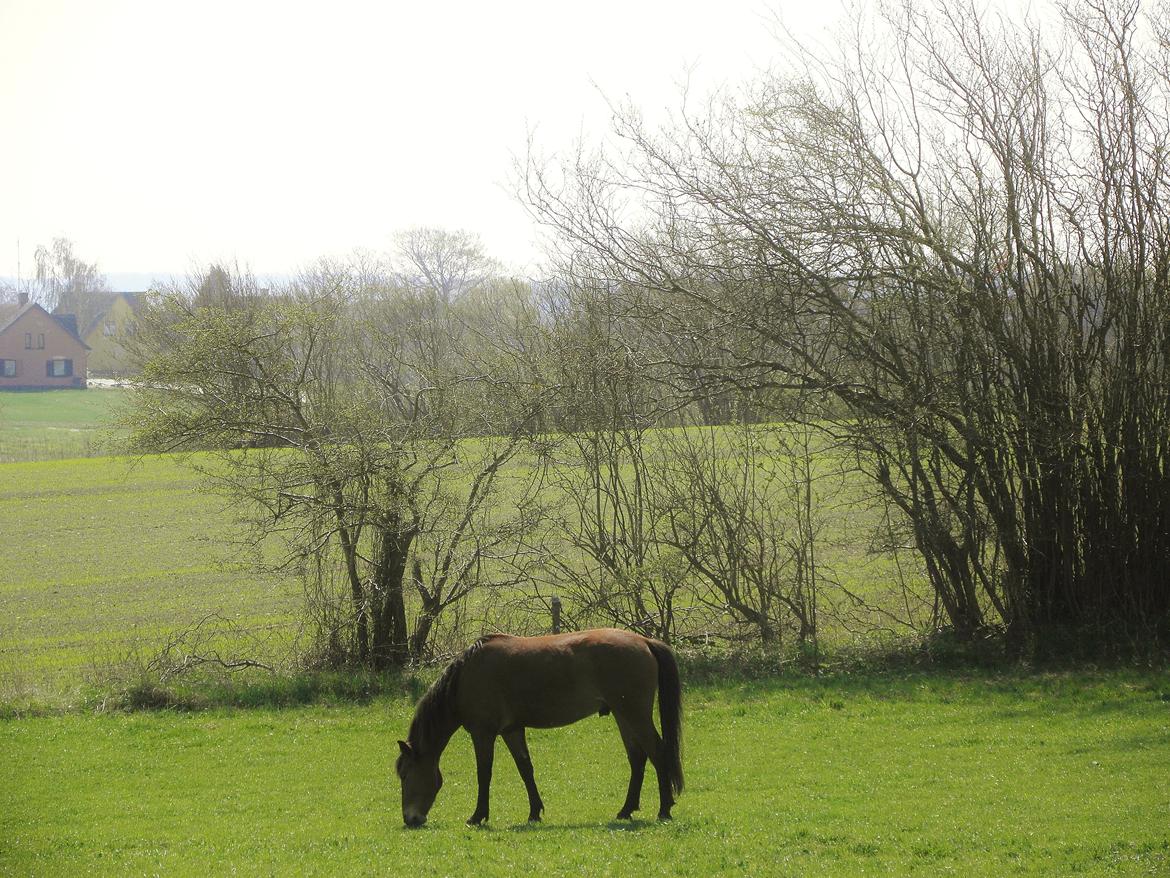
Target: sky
[{"x": 160, "y": 136}]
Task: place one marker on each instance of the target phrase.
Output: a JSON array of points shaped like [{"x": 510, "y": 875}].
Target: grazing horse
[{"x": 502, "y": 685}]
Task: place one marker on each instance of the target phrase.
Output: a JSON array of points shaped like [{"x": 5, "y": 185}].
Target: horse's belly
[
  {"x": 547, "y": 707},
  {"x": 550, "y": 716}
]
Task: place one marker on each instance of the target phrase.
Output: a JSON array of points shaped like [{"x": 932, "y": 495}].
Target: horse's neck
[
  {"x": 439, "y": 733},
  {"x": 441, "y": 740}
]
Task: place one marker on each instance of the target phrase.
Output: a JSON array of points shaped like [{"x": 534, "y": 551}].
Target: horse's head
[{"x": 421, "y": 780}]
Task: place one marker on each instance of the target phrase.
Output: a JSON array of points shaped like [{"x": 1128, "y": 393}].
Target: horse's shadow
[
  {"x": 608, "y": 826},
  {"x": 542, "y": 827}
]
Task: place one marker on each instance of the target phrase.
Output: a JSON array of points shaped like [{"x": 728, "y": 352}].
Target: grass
[
  {"x": 58, "y": 424},
  {"x": 107, "y": 558},
  {"x": 892, "y": 772},
  {"x": 104, "y": 556},
  {"x": 878, "y": 774}
]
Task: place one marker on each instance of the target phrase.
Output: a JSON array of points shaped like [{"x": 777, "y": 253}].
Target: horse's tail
[{"x": 669, "y": 711}]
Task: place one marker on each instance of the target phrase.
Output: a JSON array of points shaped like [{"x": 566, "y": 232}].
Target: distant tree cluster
[
  {"x": 355, "y": 421},
  {"x": 959, "y": 234},
  {"x": 941, "y": 261},
  {"x": 63, "y": 282}
]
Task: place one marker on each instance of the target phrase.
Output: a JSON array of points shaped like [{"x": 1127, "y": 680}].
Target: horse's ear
[{"x": 404, "y": 747}]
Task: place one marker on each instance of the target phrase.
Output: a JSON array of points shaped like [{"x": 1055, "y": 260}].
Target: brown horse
[{"x": 502, "y": 685}]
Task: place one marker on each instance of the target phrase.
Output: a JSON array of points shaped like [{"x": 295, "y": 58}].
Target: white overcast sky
[{"x": 160, "y": 135}]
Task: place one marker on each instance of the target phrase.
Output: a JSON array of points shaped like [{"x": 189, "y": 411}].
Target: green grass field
[
  {"x": 989, "y": 773},
  {"x": 930, "y": 775},
  {"x": 52, "y": 425},
  {"x": 105, "y": 556}
]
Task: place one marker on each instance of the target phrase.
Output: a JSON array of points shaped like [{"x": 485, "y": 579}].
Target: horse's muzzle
[{"x": 413, "y": 821}]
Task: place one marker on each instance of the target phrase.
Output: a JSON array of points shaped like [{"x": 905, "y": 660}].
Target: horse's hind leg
[
  {"x": 665, "y": 795},
  {"x": 650, "y": 743},
  {"x": 518, "y": 747},
  {"x": 637, "y": 757}
]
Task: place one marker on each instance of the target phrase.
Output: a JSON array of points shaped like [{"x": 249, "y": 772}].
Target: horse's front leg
[
  {"x": 518, "y": 747},
  {"x": 485, "y": 751}
]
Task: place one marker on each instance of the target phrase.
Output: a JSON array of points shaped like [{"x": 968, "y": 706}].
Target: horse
[{"x": 503, "y": 684}]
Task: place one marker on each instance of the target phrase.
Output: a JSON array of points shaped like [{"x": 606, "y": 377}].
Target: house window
[
  {"x": 28, "y": 341},
  {"x": 40, "y": 341},
  {"x": 59, "y": 367},
  {"x": 7, "y": 368}
]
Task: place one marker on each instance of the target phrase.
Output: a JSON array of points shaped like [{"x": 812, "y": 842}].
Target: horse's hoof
[
  {"x": 625, "y": 815},
  {"x": 664, "y": 815},
  {"x": 476, "y": 820},
  {"x": 533, "y": 818}
]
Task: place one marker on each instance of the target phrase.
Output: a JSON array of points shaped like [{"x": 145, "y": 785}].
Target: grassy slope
[
  {"x": 52, "y": 425},
  {"x": 1052, "y": 775},
  {"x": 103, "y": 554},
  {"x": 938, "y": 775}
]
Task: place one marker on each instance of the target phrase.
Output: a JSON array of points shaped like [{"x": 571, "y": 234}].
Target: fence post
[{"x": 556, "y": 614}]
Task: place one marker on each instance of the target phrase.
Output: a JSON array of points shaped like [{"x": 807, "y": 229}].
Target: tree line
[
  {"x": 62, "y": 281},
  {"x": 940, "y": 259}
]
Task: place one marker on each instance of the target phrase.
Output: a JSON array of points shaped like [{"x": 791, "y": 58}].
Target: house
[
  {"x": 39, "y": 350},
  {"x": 106, "y": 332}
]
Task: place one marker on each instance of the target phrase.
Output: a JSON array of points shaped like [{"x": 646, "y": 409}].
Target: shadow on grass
[
  {"x": 1028, "y": 690},
  {"x": 268, "y": 692},
  {"x": 542, "y": 827},
  {"x": 725, "y": 678},
  {"x": 606, "y": 826}
]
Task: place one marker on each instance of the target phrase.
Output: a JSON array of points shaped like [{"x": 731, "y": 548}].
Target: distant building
[
  {"x": 106, "y": 333},
  {"x": 39, "y": 350}
]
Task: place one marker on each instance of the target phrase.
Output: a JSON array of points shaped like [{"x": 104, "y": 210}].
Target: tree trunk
[
  {"x": 426, "y": 618},
  {"x": 388, "y": 647},
  {"x": 361, "y": 608}
]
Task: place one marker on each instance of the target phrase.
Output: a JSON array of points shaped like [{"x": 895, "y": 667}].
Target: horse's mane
[{"x": 434, "y": 715}]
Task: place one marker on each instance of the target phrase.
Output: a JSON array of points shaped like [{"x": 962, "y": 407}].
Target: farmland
[
  {"x": 56, "y": 425},
  {"x": 103, "y": 555},
  {"x": 108, "y": 557},
  {"x": 1003, "y": 771},
  {"x": 919, "y": 774}
]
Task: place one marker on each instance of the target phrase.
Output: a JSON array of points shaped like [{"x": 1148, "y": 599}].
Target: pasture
[
  {"x": 57, "y": 424},
  {"x": 105, "y": 556},
  {"x": 877, "y": 772},
  {"x": 889, "y": 775}
]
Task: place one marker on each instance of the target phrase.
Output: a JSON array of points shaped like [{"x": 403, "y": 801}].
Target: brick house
[{"x": 39, "y": 350}]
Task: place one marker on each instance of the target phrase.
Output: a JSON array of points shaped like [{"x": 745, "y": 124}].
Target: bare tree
[
  {"x": 739, "y": 508},
  {"x": 617, "y": 569},
  {"x": 66, "y": 283},
  {"x": 335, "y": 424},
  {"x": 958, "y": 230},
  {"x": 448, "y": 264}
]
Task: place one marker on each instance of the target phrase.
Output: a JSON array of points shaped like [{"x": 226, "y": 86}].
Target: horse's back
[{"x": 557, "y": 679}]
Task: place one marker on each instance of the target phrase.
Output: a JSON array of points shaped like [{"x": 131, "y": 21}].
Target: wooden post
[{"x": 556, "y": 614}]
